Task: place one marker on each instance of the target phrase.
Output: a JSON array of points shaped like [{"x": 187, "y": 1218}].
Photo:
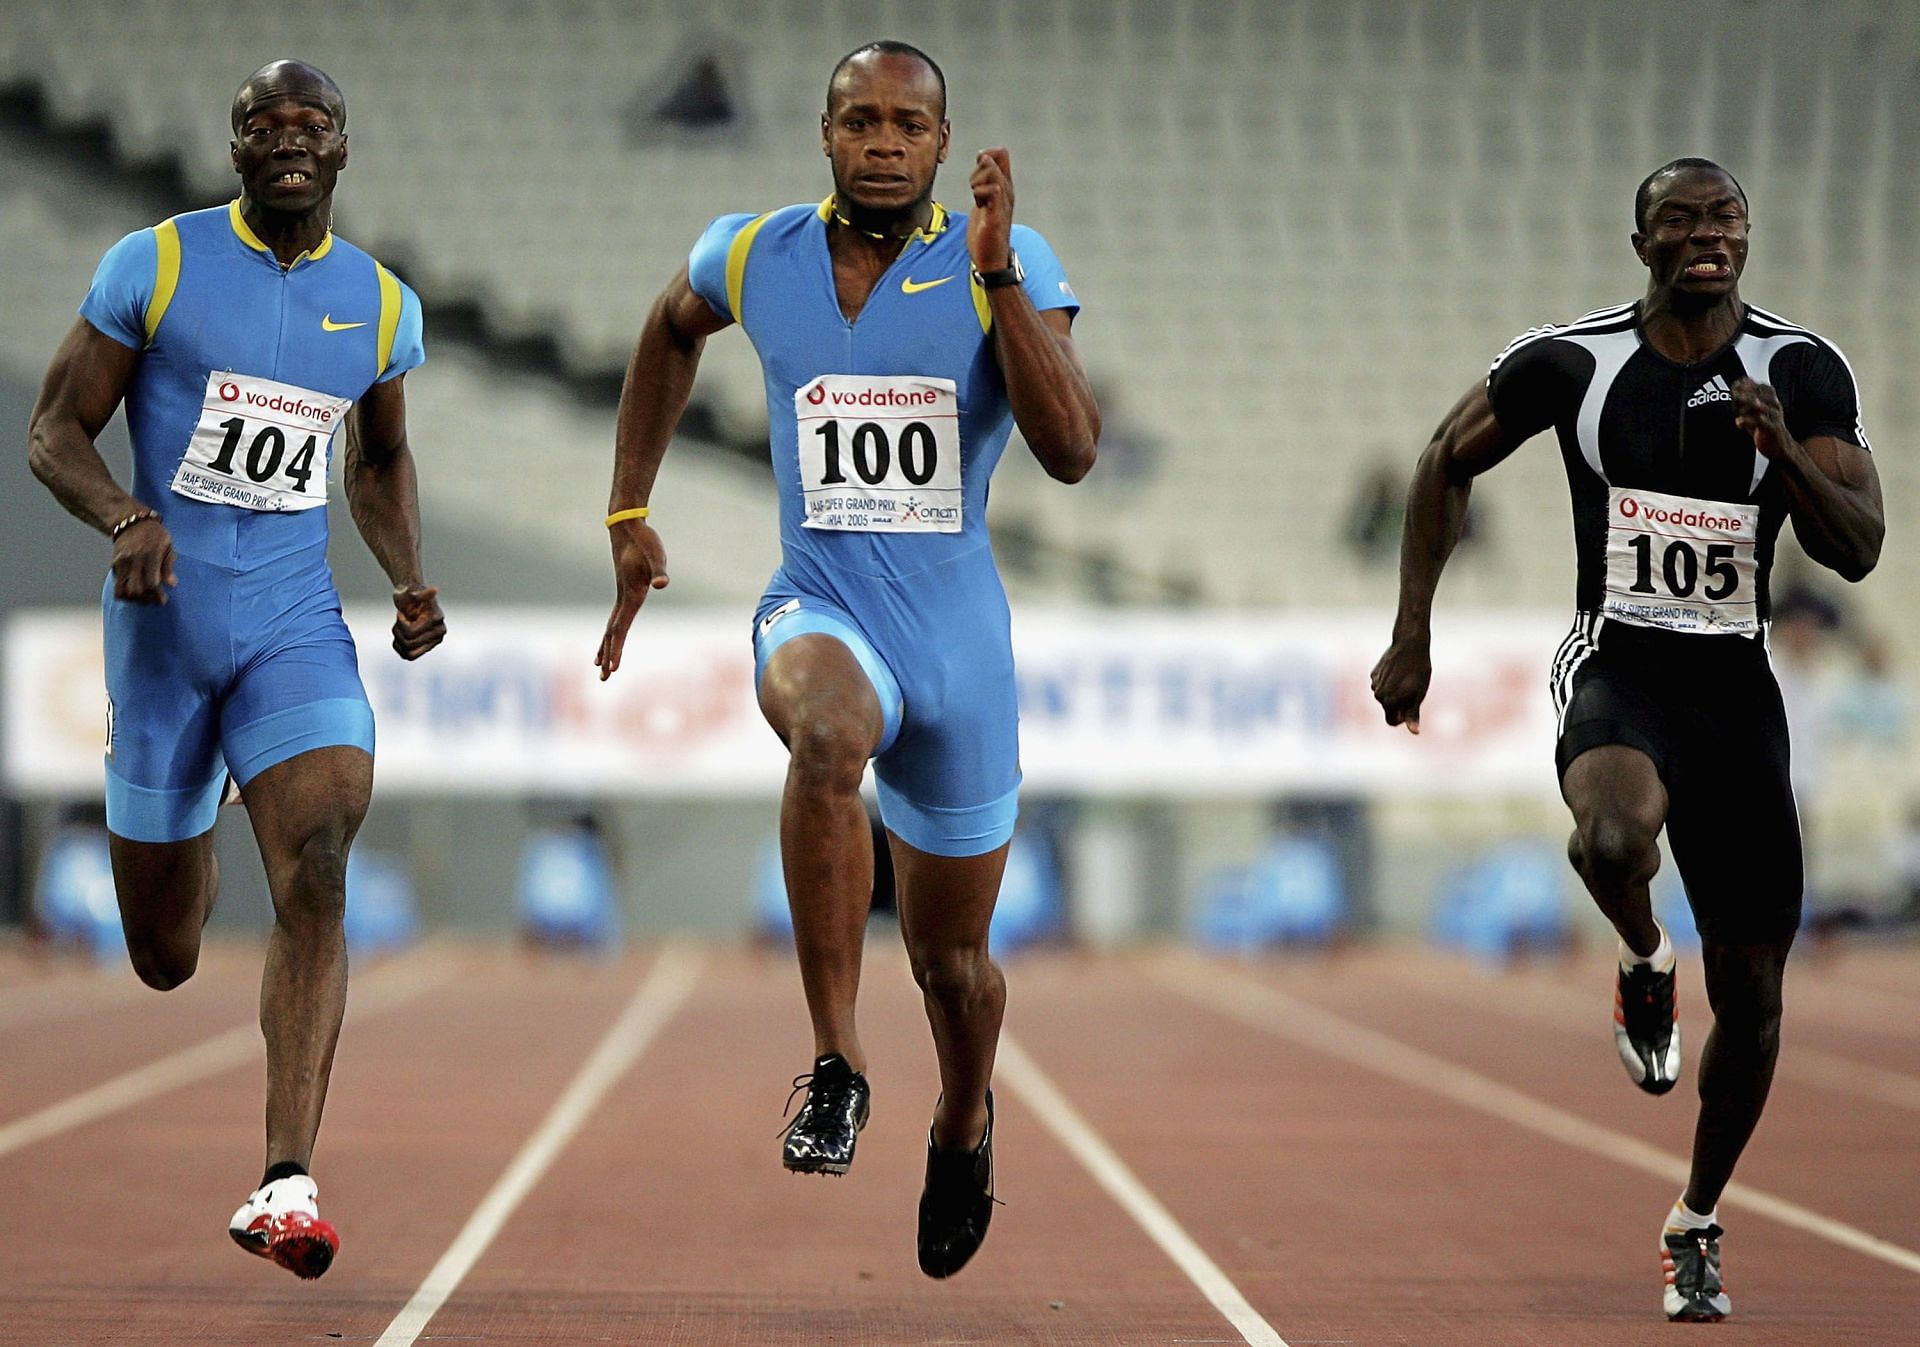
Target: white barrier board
[{"x": 1112, "y": 702}]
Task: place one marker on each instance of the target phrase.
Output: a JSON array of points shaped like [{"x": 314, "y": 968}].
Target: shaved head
[
  {"x": 290, "y": 79},
  {"x": 879, "y": 50}
]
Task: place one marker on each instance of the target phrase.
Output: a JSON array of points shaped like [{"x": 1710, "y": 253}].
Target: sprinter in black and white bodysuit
[{"x": 1693, "y": 426}]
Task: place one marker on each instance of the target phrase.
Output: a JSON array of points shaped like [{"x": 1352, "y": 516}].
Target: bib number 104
[
  {"x": 1682, "y": 567},
  {"x": 264, "y": 454},
  {"x": 873, "y": 454}
]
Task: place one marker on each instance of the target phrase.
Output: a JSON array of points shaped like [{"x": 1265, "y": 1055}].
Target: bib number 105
[
  {"x": 872, "y": 454},
  {"x": 1682, "y": 568}
]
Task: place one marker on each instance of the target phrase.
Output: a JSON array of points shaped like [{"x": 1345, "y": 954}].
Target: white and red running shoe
[
  {"x": 1646, "y": 1026},
  {"x": 281, "y": 1222}
]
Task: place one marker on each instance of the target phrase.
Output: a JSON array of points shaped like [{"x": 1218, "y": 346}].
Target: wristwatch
[{"x": 1011, "y": 274}]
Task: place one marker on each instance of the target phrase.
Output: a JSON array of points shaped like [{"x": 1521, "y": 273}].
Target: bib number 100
[
  {"x": 1681, "y": 567},
  {"x": 264, "y": 454},
  {"x": 872, "y": 454}
]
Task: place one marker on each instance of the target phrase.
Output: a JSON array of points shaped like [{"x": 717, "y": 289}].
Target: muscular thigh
[
  {"x": 320, "y": 795},
  {"x": 813, "y": 660}
]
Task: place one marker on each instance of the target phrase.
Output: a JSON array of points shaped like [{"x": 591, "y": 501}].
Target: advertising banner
[{"x": 1112, "y": 702}]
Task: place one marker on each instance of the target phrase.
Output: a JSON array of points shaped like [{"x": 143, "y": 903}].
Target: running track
[{"x": 1383, "y": 1147}]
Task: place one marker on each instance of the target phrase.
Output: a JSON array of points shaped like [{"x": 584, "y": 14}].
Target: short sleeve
[
  {"x": 409, "y": 345},
  {"x": 1046, "y": 283},
  {"x": 1822, "y": 398},
  {"x": 1527, "y": 384},
  {"x": 122, "y": 288},
  {"x": 707, "y": 263}
]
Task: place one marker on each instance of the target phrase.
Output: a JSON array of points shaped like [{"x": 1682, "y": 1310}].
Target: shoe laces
[
  {"x": 829, "y": 1094},
  {"x": 1698, "y": 1274}
]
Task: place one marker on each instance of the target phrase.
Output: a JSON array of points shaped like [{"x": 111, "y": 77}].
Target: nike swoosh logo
[
  {"x": 913, "y": 287},
  {"x": 328, "y": 325}
]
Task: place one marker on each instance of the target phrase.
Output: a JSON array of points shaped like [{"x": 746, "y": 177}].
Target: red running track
[{"x": 1383, "y": 1147}]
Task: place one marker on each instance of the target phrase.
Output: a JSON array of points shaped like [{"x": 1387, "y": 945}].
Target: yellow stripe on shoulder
[
  {"x": 389, "y": 317},
  {"x": 980, "y": 305},
  {"x": 737, "y": 262},
  {"x": 166, "y": 274}
]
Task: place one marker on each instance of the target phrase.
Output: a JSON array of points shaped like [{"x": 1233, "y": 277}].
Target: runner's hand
[
  {"x": 1757, "y": 410},
  {"x": 639, "y": 567},
  {"x": 143, "y": 563},
  {"x": 990, "y": 226},
  {"x": 420, "y": 626},
  {"x": 1400, "y": 681}
]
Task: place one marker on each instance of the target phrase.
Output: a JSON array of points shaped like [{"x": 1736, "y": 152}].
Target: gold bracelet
[
  {"x": 139, "y": 516},
  {"x": 619, "y": 516}
]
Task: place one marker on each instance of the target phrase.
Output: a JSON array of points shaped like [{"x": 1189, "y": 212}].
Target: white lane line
[
  {"x": 668, "y": 983},
  {"x": 1254, "y": 1003},
  {"x": 380, "y": 990},
  {"x": 1071, "y": 1130},
  {"x": 1494, "y": 994}
]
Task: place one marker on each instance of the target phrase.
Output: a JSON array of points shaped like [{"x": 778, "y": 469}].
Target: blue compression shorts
[
  {"x": 948, "y": 765},
  {"x": 236, "y": 672}
]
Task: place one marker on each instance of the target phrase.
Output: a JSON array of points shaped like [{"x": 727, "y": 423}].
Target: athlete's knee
[
  {"x": 1613, "y": 846},
  {"x": 828, "y": 750},
  {"x": 1747, "y": 1011},
  {"x": 163, "y": 964},
  {"x": 318, "y": 891},
  {"x": 955, "y": 977}
]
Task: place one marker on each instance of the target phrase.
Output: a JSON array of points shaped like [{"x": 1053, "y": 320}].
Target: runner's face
[
  {"x": 289, "y": 149},
  {"x": 886, "y": 132},
  {"x": 1694, "y": 239}
]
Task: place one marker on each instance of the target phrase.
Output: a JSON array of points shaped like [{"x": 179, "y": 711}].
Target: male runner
[
  {"x": 1692, "y": 425},
  {"x": 241, "y": 339},
  {"x": 900, "y": 343}
]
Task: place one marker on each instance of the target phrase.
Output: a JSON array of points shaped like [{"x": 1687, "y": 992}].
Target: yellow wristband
[{"x": 620, "y": 516}]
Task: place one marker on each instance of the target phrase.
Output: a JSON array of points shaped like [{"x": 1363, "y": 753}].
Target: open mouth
[
  {"x": 1709, "y": 267},
  {"x": 293, "y": 177}
]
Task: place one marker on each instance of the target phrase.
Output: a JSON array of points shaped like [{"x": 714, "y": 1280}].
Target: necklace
[{"x": 937, "y": 224}]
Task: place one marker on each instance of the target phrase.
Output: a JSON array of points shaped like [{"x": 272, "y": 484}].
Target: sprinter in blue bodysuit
[
  {"x": 900, "y": 344},
  {"x": 243, "y": 340}
]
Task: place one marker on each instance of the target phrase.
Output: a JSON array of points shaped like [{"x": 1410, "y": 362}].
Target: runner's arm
[
  {"x": 1833, "y": 488},
  {"x": 1047, "y": 385},
  {"x": 84, "y": 384},
  {"x": 383, "y": 494},
  {"x": 1468, "y": 442},
  {"x": 659, "y": 381},
  {"x": 83, "y": 387}
]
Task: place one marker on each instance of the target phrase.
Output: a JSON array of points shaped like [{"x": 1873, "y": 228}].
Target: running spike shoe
[
  {"x": 281, "y": 1222},
  {"x": 956, "y": 1203},
  {"x": 820, "y": 1138},
  {"x": 1646, "y": 1027},
  {"x": 1690, "y": 1260}
]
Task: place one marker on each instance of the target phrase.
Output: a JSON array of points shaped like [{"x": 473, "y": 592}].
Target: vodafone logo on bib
[
  {"x": 1683, "y": 517},
  {"x": 817, "y": 394},
  {"x": 229, "y": 392}
]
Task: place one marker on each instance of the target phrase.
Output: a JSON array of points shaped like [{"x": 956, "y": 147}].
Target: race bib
[
  {"x": 880, "y": 453},
  {"x": 260, "y": 445},
  {"x": 1681, "y": 564}
]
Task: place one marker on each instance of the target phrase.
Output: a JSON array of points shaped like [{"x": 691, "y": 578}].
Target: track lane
[
  {"x": 116, "y": 1232},
  {"x": 670, "y": 1220}
]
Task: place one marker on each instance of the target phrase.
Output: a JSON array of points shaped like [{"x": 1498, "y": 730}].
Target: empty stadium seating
[{"x": 1300, "y": 228}]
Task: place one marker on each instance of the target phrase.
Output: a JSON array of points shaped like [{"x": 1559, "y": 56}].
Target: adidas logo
[{"x": 1713, "y": 390}]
